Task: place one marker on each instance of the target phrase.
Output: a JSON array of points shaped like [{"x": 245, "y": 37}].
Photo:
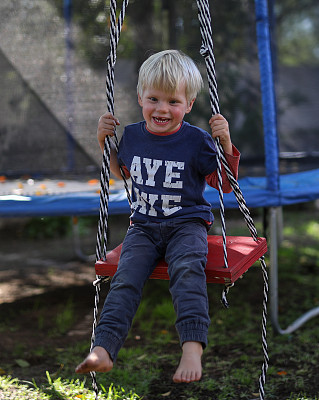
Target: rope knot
[
  {"x": 111, "y": 61},
  {"x": 204, "y": 51}
]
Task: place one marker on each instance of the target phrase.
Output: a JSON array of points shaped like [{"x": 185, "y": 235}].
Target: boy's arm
[
  {"x": 114, "y": 164},
  {"x": 220, "y": 129},
  {"x": 233, "y": 162},
  {"x": 106, "y": 126}
]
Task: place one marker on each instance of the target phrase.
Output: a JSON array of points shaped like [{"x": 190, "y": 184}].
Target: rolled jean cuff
[
  {"x": 193, "y": 331},
  {"x": 109, "y": 342}
]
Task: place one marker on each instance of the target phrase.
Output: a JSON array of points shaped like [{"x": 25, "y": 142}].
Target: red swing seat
[{"x": 242, "y": 253}]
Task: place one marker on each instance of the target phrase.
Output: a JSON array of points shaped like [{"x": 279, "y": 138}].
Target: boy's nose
[{"x": 162, "y": 106}]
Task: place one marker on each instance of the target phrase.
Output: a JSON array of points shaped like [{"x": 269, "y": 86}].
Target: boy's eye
[{"x": 153, "y": 98}]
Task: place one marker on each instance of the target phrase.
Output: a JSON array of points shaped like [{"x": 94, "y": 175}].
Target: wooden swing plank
[{"x": 242, "y": 253}]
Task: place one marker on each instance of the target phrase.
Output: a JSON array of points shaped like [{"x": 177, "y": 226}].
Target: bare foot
[
  {"x": 98, "y": 360},
  {"x": 190, "y": 366}
]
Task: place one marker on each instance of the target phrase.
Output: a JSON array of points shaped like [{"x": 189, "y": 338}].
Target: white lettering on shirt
[
  {"x": 136, "y": 171},
  {"x": 152, "y": 166},
  {"x": 149, "y": 203},
  {"x": 169, "y": 175},
  {"x": 140, "y": 201},
  {"x": 168, "y": 209},
  {"x": 151, "y": 170},
  {"x": 145, "y": 202}
]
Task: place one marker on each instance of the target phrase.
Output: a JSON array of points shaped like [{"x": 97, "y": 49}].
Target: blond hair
[{"x": 167, "y": 70}]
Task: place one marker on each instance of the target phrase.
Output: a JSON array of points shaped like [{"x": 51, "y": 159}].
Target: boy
[{"x": 169, "y": 162}]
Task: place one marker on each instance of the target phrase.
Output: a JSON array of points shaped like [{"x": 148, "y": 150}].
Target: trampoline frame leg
[{"x": 275, "y": 215}]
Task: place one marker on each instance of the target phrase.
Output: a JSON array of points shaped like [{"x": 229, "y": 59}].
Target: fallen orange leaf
[
  {"x": 93, "y": 181},
  {"x": 281, "y": 373}
]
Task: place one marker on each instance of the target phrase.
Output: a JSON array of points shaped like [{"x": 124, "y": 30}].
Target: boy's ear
[
  {"x": 140, "y": 100},
  {"x": 190, "y": 106}
]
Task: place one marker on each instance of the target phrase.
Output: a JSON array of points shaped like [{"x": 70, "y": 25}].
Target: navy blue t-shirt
[{"x": 168, "y": 172}]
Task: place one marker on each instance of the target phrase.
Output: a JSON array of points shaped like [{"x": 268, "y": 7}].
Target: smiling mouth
[{"x": 159, "y": 120}]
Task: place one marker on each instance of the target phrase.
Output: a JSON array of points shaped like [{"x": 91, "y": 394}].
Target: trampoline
[{"x": 69, "y": 198}]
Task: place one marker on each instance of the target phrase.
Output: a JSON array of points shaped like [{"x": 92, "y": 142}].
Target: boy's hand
[
  {"x": 220, "y": 129},
  {"x": 106, "y": 127}
]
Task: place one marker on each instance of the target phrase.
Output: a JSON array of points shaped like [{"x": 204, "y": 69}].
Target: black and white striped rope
[
  {"x": 101, "y": 246},
  {"x": 262, "y": 377},
  {"x": 115, "y": 31},
  {"x": 207, "y": 53}
]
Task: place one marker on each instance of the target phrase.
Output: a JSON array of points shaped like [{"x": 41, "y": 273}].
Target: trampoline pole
[
  {"x": 273, "y": 276},
  {"x": 273, "y": 282}
]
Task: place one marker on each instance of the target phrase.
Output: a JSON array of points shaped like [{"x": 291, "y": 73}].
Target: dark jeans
[{"x": 183, "y": 243}]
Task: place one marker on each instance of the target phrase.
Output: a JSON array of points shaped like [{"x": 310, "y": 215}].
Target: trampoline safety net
[{"x": 52, "y": 77}]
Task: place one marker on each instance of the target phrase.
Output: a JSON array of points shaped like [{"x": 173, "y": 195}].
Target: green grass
[
  {"x": 12, "y": 389},
  {"x": 65, "y": 318},
  {"x": 233, "y": 359}
]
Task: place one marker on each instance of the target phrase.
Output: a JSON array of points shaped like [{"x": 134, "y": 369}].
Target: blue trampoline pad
[{"x": 294, "y": 188}]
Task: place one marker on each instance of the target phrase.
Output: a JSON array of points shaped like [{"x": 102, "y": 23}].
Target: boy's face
[{"x": 164, "y": 112}]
